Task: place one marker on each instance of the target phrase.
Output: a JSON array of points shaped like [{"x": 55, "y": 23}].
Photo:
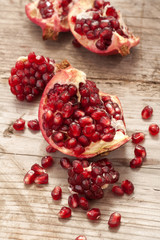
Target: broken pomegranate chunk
[
  {"x": 94, "y": 214},
  {"x": 153, "y": 129},
  {"x": 65, "y": 212},
  {"x": 29, "y": 177},
  {"x": 127, "y": 187},
  {"x": 56, "y": 193},
  {"x": 19, "y": 124},
  {"x": 147, "y": 112},
  {"x": 114, "y": 220},
  {"x": 138, "y": 137},
  {"x": 34, "y": 125}
]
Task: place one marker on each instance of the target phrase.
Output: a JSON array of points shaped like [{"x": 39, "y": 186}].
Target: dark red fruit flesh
[
  {"x": 117, "y": 190},
  {"x": 114, "y": 220},
  {"x": 138, "y": 137},
  {"x": 33, "y": 125},
  {"x": 147, "y": 112},
  {"x": 29, "y": 177},
  {"x": 65, "y": 212},
  {"x": 153, "y": 129},
  {"x": 42, "y": 179},
  {"x": 38, "y": 169},
  {"x": 56, "y": 193},
  {"x": 136, "y": 162},
  {"x": 140, "y": 151},
  {"x": 127, "y": 187},
  {"x": 83, "y": 203},
  {"x": 73, "y": 201},
  {"x": 94, "y": 214},
  {"x": 19, "y": 124},
  {"x": 47, "y": 161}
]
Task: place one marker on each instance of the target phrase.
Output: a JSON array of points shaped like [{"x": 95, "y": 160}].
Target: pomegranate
[
  {"x": 56, "y": 193},
  {"x": 83, "y": 203},
  {"x": 114, "y": 220},
  {"x": 65, "y": 163},
  {"x": 29, "y": 177},
  {"x": 147, "y": 112},
  {"x": 140, "y": 151},
  {"x": 50, "y": 149},
  {"x": 99, "y": 27},
  {"x": 94, "y": 214},
  {"x": 65, "y": 212},
  {"x": 92, "y": 180},
  {"x": 117, "y": 190},
  {"x": 127, "y": 187},
  {"x": 153, "y": 129},
  {"x": 30, "y": 76},
  {"x": 47, "y": 161},
  {"x": 50, "y": 15},
  {"x": 136, "y": 162},
  {"x": 138, "y": 137},
  {"x": 19, "y": 124},
  {"x": 77, "y": 119},
  {"x": 42, "y": 179},
  {"x": 33, "y": 125},
  {"x": 73, "y": 201}
]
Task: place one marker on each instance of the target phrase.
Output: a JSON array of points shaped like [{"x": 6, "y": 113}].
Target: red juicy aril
[
  {"x": 90, "y": 181},
  {"x": 79, "y": 120},
  {"x": 50, "y": 15},
  {"x": 99, "y": 27},
  {"x": 30, "y": 75}
]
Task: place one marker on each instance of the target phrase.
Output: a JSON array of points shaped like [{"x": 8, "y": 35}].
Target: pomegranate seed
[
  {"x": 147, "y": 112},
  {"x": 65, "y": 163},
  {"x": 140, "y": 151},
  {"x": 29, "y": 177},
  {"x": 75, "y": 129},
  {"x": 76, "y": 43},
  {"x": 78, "y": 150},
  {"x": 73, "y": 201},
  {"x": 47, "y": 161},
  {"x": 83, "y": 203},
  {"x": 136, "y": 162},
  {"x": 89, "y": 130},
  {"x": 65, "y": 212},
  {"x": 56, "y": 193},
  {"x": 114, "y": 220},
  {"x": 84, "y": 141},
  {"x": 33, "y": 125},
  {"x": 58, "y": 137},
  {"x": 105, "y": 121},
  {"x": 127, "y": 187},
  {"x": 81, "y": 238},
  {"x": 117, "y": 190},
  {"x": 50, "y": 149},
  {"x": 83, "y": 121},
  {"x": 153, "y": 129},
  {"x": 42, "y": 179},
  {"x": 19, "y": 124},
  {"x": 94, "y": 214},
  {"x": 138, "y": 137},
  {"x": 38, "y": 169},
  {"x": 71, "y": 143}
]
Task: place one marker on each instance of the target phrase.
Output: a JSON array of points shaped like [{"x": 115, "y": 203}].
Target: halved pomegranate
[
  {"x": 50, "y": 15},
  {"x": 77, "y": 119},
  {"x": 99, "y": 27}
]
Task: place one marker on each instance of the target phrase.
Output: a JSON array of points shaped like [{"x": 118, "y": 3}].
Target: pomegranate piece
[
  {"x": 50, "y": 149},
  {"x": 100, "y": 28},
  {"x": 114, "y": 220},
  {"x": 81, "y": 125},
  {"x": 73, "y": 201},
  {"x": 56, "y": 193},
  {"x": 29, "y": 77},
  {"x": 94, "y": 214},
  {"x": 83, "y": 203},
  {"x": 65, "y": 163},
  {"x": 136, "y": 162},
  {"x": 153, "y": 129},
  {"x": 38, "y": 169},
  {"x": 138, "y": 137},
  {"x": 81, "y": 238},
  {"x": 140, "y": 151},
  {"x": 65, "y": 212},
  {"x": 34, "y": 125},
  {"x": 19, "y": 124},
  {"x": 127, "y": 187},
  {"x": 147, "y": 112},
  {"x": 29, "y": 177},
  {"x": 41, "y": 179},
  {"x": 47, "y": 161},
  {"x": 117, "y": 190},
  {"x": 50, "y": 15},
  {"x": 77, "y": 166}
]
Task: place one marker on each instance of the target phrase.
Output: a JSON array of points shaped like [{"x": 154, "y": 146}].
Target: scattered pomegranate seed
[
  {"x": 65, "y": 163},
  {"x": 47, "y": 161},
  {"x": 117, "y": 190},
  {"x": 50, "y": 149},
  {"x": 42, "y": 179},
  {"x": 38, "y": 169},
  {"x": 29, "y": 177},
  {"x": 136, "y": 162},
  {"x": 65, "y": 212},
  {"x": 153, "y": 129},
  {"x": 81, "y": 238},
  {"x": 76, "y": 43},
  {"x": 138, "y": 137},
  {"x": 94, "y": 214},
  {"x": 73, "y": 201},
  {"x": 83, "y": 203},
  {"x": 77, "y": 166},
  {"x": 140, "y": 151},
  {"x": 34, "y": 125},
  {"x": 147, "y": 112},
  {"x": 56, "y": 193},
  {"x": 19, "y": 124},
  {"x": 127, "y": 187},
  {"x": 114, "y": 220}
]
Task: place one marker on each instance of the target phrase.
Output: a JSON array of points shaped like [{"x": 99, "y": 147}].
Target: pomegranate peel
[{"x": 58, "y": 138}]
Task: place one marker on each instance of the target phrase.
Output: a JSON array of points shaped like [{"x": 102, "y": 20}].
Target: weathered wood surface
[{"x": 29, "y": 212}]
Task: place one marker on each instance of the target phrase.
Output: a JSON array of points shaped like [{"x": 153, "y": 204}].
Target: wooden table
[{"x": 29, "y": 212}]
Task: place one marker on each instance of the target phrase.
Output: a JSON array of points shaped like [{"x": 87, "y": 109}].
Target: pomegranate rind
[
  {"x": 71, "y": 75},
  {"x": 119, "y": 44},
  {"x": 50, "y": 26}
]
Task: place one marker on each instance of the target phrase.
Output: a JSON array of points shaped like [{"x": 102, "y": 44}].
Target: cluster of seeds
[
  {"x": 46, "y": 8},
  {"x": 74, "y": 123},
  {"x": 102, "y": 21}
]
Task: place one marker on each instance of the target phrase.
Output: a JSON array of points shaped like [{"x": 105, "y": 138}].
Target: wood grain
[{"x": 29, "y": 212}]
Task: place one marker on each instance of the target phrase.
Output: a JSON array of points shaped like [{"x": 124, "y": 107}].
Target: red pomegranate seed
[
  {"x": 127, "y": 187},
  {"x": 153, "y": 129},
  {"x": 84, "y": 141},
  {"x": 140, "y": 151},
  {"x": 65, "y": 163},
  {"x": 138, "y": 137},
  {"x": 73, "y": 201},
  {"x": 47, "y": 161},
  {"x": 38, "y": 169},
  {"x": 136, "y": 162},
  {"x": 34, "y": 125},
  {"x": 19, "y": 124},
  {"x": 89, "y": 130},
  {"x": 147, "y": 112},
  {"x": 78, "y": 150},
  {"x": 81, "y": 238},
  {"x": 76, "y": 43},
  {"x": 50, "y": 149},
  {"x": 117, "y": 190},
  {"x": 29, "y": 177},
  {"x": 56, "y": 193},
  {"x": 65, "y": 212},
  {"x": 94, "y": 214},
  {"x": 114, "y": 220},
  {"x": 58, "y": 137},
  {"x": 75, "y": 129},
  {"x": 83, "y": 203},
  {"x": 83, "y": 121},
  {"x": 71, "y": 143},
  {"x": 42, "y": 179}
]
